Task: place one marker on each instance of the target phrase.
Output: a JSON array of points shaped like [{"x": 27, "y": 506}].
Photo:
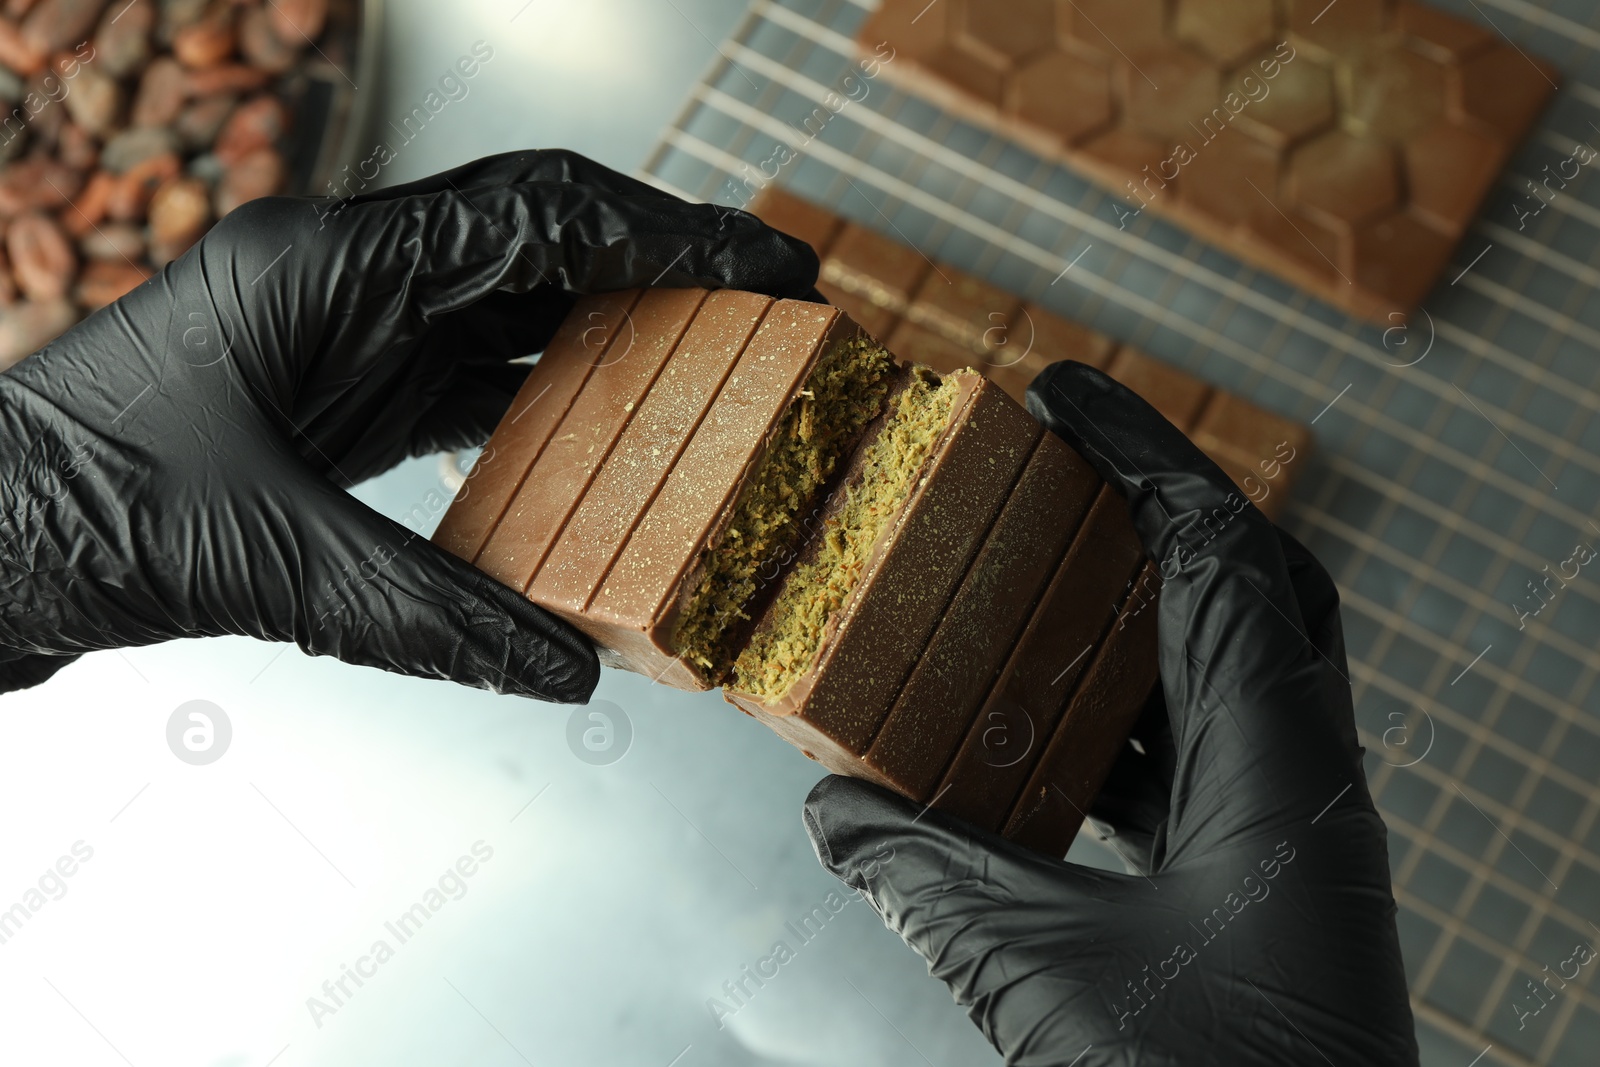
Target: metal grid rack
[{"x": 1458, "y": 461}]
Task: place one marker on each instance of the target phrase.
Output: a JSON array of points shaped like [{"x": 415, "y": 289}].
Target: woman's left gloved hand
[{"x": 175, "y": 465}]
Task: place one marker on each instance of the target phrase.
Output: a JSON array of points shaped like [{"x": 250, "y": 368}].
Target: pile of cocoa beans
[{"x": 127, "y": 128}]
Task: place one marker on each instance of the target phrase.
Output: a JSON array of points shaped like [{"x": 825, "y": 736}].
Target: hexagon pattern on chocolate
[{"x": 1344, "y": 147}]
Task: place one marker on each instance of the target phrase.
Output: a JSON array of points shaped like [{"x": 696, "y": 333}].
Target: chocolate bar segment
[
  {"x": 966, "y": 310},
  {"x": 918, "y": 344},
  {"x": 869, "y": 264},
  {"x": 1096, "y": 724},
  {"x": 881, "y": 630},
  {"x": 797, "y": 218},
  {"x": 586, "y": 435},
  {"x": 578, "y": 347},
  {"x": 636, "y": 610},
  {"x": 1170, "y": 391},
  {"x": 978, "y": 630},
  {"x": 1021, "y": 711},
  {"x": 1034, "y": 338},
  {"x": 658, "y": 431},
  {"x": 876, "y": 319}
]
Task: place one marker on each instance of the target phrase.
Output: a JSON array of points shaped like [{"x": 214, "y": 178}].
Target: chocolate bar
[
  {"x": 1344, "y": 147},
  {"x": 1262, "y": 452},
  {"x": 739, "y": 492}
]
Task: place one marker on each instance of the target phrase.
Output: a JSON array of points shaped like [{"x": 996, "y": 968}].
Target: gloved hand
[
  {"x": 174, "y": 465},
  {"x": 1259, "y": 928}
]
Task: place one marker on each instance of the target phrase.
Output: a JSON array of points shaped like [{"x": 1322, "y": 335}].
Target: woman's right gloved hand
[{"x": 1259, "y": 927}]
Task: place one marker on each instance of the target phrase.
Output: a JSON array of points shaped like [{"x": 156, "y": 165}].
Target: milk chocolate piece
[
  {"x": 1037, "y": 329},
  {"x": 658, "y": 431},
  {"x": 967, "y": 310},
  {"x": 1080, "y": 754},
  {"x": 586, "y": 435},
  {"x": 1247, "y": 434},
  {"x": 631, "y": 483},
  {"x": 1034, "y": 338},
  {"x": 797, "y": 218},
  {"x": 637, "y": 608},
  {"x": 918, "y": 344},
  {"x": 876, "y": 319},
  {"x": 1274, "y": 128},
  {"x": 884, "y": 271},
  {"x": 978, "y": 630},
  {"x": 578, "y": 347},
  {"x": 1169, "y": 390},
  {"x": 1021, "y": 712},
  {"x": 882, "y": 628}
]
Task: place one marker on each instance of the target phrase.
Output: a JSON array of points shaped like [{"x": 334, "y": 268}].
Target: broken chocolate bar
[{"x": 727, "y": 490}]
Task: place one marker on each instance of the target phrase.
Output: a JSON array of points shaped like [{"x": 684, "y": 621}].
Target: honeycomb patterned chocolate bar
[
  {"x": 938, "y": 316},
  {"x": 1344, "y": 147}
]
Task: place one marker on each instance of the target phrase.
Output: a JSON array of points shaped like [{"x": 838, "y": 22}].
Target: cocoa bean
[
  {"x": 8, "y": 284},
  {"x": 122, "y": 43},
  {"x": 209, "y": 41},
  {"x": 120, "y": 241},
  {"x": 199, "y": 123},
  {"x": 18, "y": 53},
  {"x": 131, "y": 197},
  {"x": 95, "y": 102},
  {"x": 257, "y": 123},
  {"x": 260, "y": 44},
  {"x": 227, "y": 78},
  {"x": 104, "y": 281},
  {"x": 298, "y": 21},
  {"x": 42, "y": 104},
  {"x": 89, "y": 209},
  {"x": 176, "y": 14},
  {"x": 162, "y": 92},
  {"x": 37, "y": 183},
  {"x": 77, "y": 148},
  {"x": 134, "y": 146},
  {"x": 261, "y": 173},
  {"x": 42, "y": 260},
  {"x": 28, "y": 326},
  {"x": 179, "y": 213},
  {"x": 56, "y": 24}
]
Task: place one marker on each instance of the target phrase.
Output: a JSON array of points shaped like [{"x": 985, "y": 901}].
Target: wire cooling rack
[{"x": 1458, "y": 461}]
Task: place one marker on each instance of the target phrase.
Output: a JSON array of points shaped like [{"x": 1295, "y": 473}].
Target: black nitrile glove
[
  {"x": 175, "y": 465},
  {"x": 1260, "y": 926}
]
